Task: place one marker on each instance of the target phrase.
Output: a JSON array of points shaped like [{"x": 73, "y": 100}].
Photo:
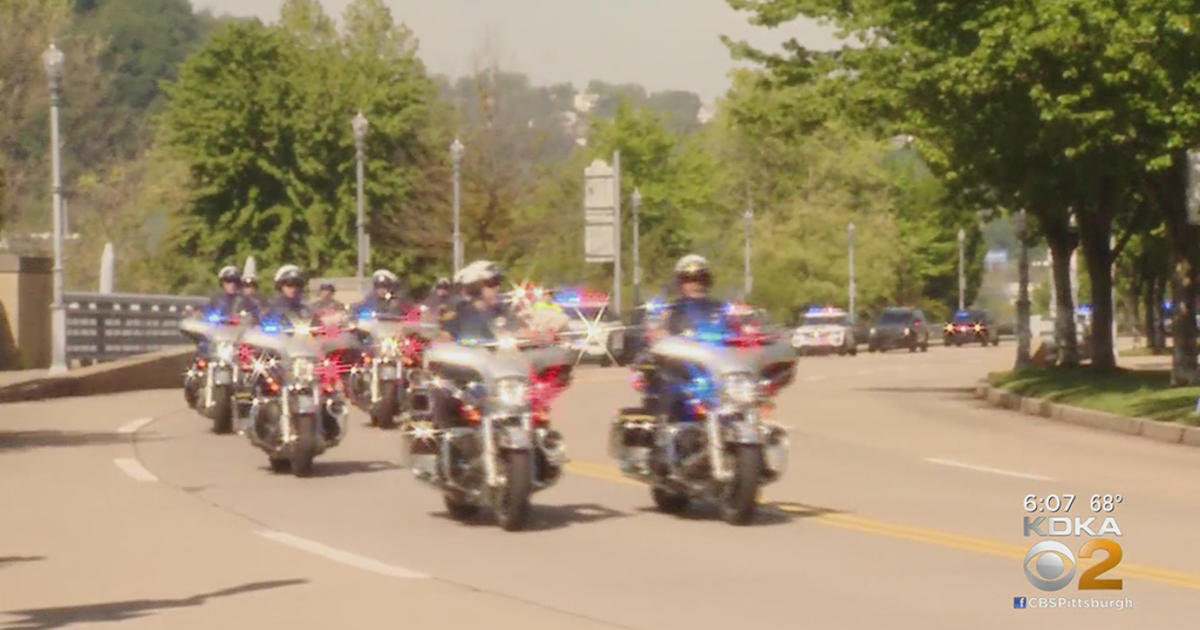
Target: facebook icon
[{"x": 1018, "y": 602}]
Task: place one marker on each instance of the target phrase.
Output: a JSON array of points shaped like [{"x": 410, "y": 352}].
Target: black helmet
[
  {"x": 328, "y": 286},
  {"x": 229, "y": 273},
  {"x": 289, "y": 274}
]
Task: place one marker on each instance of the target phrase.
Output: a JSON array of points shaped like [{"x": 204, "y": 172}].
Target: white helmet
[
  {"x": 288, "y": 273},
  {"x": 384, "y": 277},
  {"x": 478, "y": 272},
  {"x": 691, "y": 264}
]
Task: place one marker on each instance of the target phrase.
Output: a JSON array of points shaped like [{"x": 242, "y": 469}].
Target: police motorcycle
[
  {"x": 390, "y": 363},
  {"x": 702, "y": 434},
  {"x": 298, "y": 409},
  {"x": 490, "y": 444},
  {"x": 215, "y": 380}
]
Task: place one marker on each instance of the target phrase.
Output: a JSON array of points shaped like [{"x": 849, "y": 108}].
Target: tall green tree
[{"x": 261, "y": 115}]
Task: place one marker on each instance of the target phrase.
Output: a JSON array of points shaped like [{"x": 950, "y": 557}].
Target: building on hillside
[
  {"x": 706, "y": 113},
  {"x": 995, "y": 259},
  {"x": 585, "y": 101}
]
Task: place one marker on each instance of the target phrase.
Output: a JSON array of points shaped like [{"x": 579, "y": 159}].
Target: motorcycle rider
[
  {"x": 482, "y": 313},
  {"x": 385, "y": 298},
  {"x": 693, "y": 310},
  {"x": 250, "y": 295},
  {"x": 229, "y": 302},
  {"x": 288, "y": 307},
  {"x": 440, "y": 304},
  {"x": 325, "y": 300}
]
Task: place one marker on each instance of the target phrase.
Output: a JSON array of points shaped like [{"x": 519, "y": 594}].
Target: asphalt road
[{"x": 902, "y": 508}]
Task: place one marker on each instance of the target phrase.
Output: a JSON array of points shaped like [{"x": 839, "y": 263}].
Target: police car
[
  {"x": 825, "y": 331},
  {"x": 593, "y": 330}
]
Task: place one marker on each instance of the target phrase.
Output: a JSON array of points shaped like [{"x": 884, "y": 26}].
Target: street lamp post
[
  {"x": 359, "y": 125},
  {"x": 1023, "y": 333},
  {"x": 53, "y": 59},
  {"x": 456, "y": 154},
  {"x": 749, "y": 220},
  {"x": 853, "y": 289},
  {"x": 637, "y": 261},
  {"x": 962, "y": 279}
]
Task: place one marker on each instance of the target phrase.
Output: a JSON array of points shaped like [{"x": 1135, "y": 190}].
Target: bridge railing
[{"x": 108, "y": 326}]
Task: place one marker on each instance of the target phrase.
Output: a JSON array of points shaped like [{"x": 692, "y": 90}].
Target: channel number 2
[{"x": 1090, "y": 580}]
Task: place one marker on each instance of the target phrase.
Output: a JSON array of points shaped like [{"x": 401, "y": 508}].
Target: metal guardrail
[{"x": 108, "y": 326}]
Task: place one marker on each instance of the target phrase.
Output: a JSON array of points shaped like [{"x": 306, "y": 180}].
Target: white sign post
[
  {"x": 602, "y": 219},
  {"x": 600, "y": 213},
  {"x": 1193, "y": 187}
]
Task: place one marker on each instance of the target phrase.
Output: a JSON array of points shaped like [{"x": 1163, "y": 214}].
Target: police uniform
[
  {"x": 289, "y": 311},
  {"x": 228, "y": 305},
  {"x": 688, "y": 314},
  {"x": 469, "y": 322}
]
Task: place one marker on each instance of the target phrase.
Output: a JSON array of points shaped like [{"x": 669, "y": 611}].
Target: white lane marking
[
  {"x": 343, "y": 557},
  {"x": 134, "y": 469},
  {"x": 134, "y": 425},
  {"x": 814, "y": 378},
  {"x": 997, "y": 471}
]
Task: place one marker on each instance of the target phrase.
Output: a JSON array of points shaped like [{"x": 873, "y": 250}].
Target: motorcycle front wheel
[
  {"x": 383, "y": 413},
  {"x": 512, "y": 500},
  {"x": 741, "y": 493},
  {"x": 304, "y": 449},
  {"x": 222, "y": 410},
  {"x": 191, "y": 393}
]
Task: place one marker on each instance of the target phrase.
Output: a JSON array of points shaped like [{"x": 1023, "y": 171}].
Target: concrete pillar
[{"x": 26, "y": 289}]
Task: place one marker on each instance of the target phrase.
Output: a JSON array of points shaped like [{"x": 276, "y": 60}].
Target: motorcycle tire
[
  {"x": 669, "y": 502},
  {"x": 458, "y": 508},
  {"x": 222, "y": 411},
  {"x": 854, "y": 350},
  {"x": 912, "y": 348},
  {"x": 925, "y": 346},
  {"x": 191, "y": 395},
  {"x": 304, "y": 449},
  {"x": 383, "y": 413},
  {"x": 511, "y": 502},
  {"x": 740, "y": 497}
]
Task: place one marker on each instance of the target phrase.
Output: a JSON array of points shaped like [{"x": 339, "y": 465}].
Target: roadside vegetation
[{"x": 1138, "y": 393}]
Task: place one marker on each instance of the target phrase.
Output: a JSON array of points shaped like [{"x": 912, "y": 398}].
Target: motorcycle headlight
[
  {"x": 506, "y": 343},
  {"x": 872, "y": 331},
  {"x": 907, "y": 332},
  {"x": 512, "y": 392},
  {"x": 302, "y": 371},
  {"x": 389, "y": 347},
  {"x": 302, "y": 330},
  {"x": 741, "y": 389},
  {"x": 225, "y": 352}
]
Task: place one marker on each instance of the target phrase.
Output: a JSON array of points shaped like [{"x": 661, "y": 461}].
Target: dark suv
[
  {"x": 970, "y": 326},
  {"x": 899, "y": 328}
]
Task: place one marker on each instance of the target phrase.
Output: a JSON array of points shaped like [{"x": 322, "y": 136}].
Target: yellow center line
[{"x": 921, "y": 535}]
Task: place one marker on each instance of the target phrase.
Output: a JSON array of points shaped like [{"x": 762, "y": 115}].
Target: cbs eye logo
[{"x": 1050, "y": 566}]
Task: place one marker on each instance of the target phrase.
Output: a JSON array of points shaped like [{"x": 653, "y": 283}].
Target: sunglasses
[
  {"x": 693, "y": 277},
  {"x": 493, "y": 283}
]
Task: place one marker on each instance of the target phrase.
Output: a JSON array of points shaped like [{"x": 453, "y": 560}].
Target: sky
[{"x": 661, "y": 44}]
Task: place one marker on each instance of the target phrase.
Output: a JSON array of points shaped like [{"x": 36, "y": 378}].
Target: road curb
[
  {"x": 1167, "y": 432},
  {"x": 154, "y": 370}
]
